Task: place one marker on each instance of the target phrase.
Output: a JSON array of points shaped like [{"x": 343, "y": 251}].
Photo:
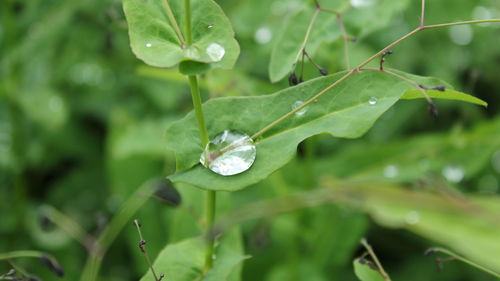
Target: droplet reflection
[
  {"x": 215, "y": 52},
  {"x": 229, "y": 153}
]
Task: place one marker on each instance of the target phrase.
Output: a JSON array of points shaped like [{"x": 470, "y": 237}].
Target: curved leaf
[
  {"x": 344, "y": 111},
  {"x": 364, "y": 272},
  {"x": 447, "y": 95},
  {"x": 153, "y": 39}
]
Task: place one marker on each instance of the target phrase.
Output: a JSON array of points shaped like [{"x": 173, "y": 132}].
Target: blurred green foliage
[{"x": 82, "y": 126}]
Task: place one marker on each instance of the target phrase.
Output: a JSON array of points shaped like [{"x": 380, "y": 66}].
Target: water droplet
[
  {"x": 148, "y": 45},
  {"x": 391, "y": 171},
  {"x": 461, "y": 34},
  {"x": 372, "y": 101},
  {"x": 215, "y": 52},
  {"x": 495, "y": 161},
  {"x": 362, "y": 3},
  {"x": 481, "y": 13},
  {"x": 412, "y": 217},
  {"x": 263, "y": 35},
  {"x": 55, "y": 103},
  {"x": 210, "y": 25},
  {"x": 229, "y": 153},
  {"x": 300, "y": 112},
  {"x": 453, "y": 173},
  {"x": 488, "y": 184}
]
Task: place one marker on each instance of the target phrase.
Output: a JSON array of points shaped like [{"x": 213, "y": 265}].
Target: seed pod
[
  {"x": 440, "y": 88},
  {"x": 292, "y": 79},
  {"x": 52, "y": 265},
  {"x": 167, "y": 193},
  {"x": 323, "y": 71}
]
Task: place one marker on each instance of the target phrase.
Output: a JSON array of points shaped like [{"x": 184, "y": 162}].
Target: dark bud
[
  {"x": 44, "y": 221},
  {"x": 433, "y": 109},
  {"x": 52, "y": 265},
  {"x": 142, "y": 243},
  {"x": 429, "y": 252},
  {"x": 387, "y": 52},
  {"x": 161, "y": 277},
  {"x": 166, "y": 193},
  {"x": 440, "y": 88},
  {"x": 292, "y": 79},
  {"x": 323, "y": 71}
]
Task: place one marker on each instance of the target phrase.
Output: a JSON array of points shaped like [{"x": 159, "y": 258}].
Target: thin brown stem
[
  {"x": 375, "y": 259},
  {"x": 343, "y": 31},
  {"x": 142, "y": 246},
  {"x": 308, "y": 33},
  {"x": 459, "y": 23}
]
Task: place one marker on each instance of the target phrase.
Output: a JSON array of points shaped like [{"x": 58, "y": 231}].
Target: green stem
[
  {"x": 173, "y": 21},
  {"x": 196, "y": 97},
  {"x": 308, "y": 32},
  {"x": 21, "y": 254},
  {"x": 462, "y": 259},
  {"x": 210, "y": 217}
]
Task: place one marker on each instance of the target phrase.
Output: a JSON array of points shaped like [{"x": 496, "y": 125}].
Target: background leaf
[{"x": 365, "y": 273}]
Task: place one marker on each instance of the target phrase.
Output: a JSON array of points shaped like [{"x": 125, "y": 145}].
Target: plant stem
[
  {"x": 210, "y": 200},
  {"x": 308, "y": 32},
  {"x": 462, "y": 259},
  {"x": 196, "y": 97},
  {"x": 343, "y": 31},
  {"x": 422, "y": 14},
  {"x": 375, "y": 259},
  {"x": 173, "y": 21},
  {"x": 21, "y": 254},
  {"x": 356, "y": 69}
]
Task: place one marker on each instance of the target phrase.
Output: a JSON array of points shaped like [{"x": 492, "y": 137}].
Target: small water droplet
[
  {"x": 210, "y": 25},
  {"x": 372, "y": 101},
  {"x": 215, "y": 52},
  {"x": 263, "y": 35},
  {"x": 300, "y": 112},
  {"x": 495, "y": 161},
  {"x": 453, "y": 173},
  {"x": 229, "y": 153},
  {"x": 461, "y": 34},
  {"x": 148, "y": 45},
  {"x": 391, "y": 171},
  {"x": 362, "y": 3},
  {"x": 412, "y": 217}
]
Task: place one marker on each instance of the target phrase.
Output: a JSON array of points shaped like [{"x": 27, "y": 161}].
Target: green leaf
[
  {"x": 153, "y": 39},
  {"x": 344, "y": 112},
  {"x": 288, "y": 45},
  {"x": 364, "y": 272},
  {"x": 446, "y": 95},
  {"x": 183, "y": 261}
]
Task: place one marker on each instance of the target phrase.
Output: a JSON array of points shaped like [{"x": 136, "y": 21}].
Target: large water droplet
[
  {"x": 215, "y": 52},
  {"x": 263, "y": 35},
  {"x": 372, "y": 101},
  {"x": 391, "y": 171},
  {"x": 412, "y": 217},
  {"x": 148, "y": 45},
  {"x": 300, "y": 112},
  {"x": 461, "y": 34},
  {"x": 229, "y": 153},
  {"x": 362, "y": 3},
  {"x": 453, "y": 173}
]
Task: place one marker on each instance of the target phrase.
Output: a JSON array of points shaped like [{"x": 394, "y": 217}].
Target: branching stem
[
  {"x": 356, "y": 70},
  {"x": 462, "y": 259}
]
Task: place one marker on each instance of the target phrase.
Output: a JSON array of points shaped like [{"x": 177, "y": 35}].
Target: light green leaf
[
  {"x": 183, "y": 261},
  {"x": 446, "y": 95},
  {"x": 365, "y": 273},
  {"x": 153, "y": 39},
  {"x": 288, "y": 45},
  {"x": 344, "y": 111}
]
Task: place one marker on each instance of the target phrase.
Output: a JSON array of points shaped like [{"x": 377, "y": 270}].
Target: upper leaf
[
  {"x": 347, "y": 111},
  {"x": 153, "y": 39}
]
